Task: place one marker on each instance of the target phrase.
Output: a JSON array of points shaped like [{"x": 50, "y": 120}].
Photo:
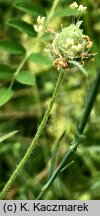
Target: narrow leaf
[
  {"x": 54, "y": 155},
  {"x": 40, "y": 59},
  {"x": 26, "y": 78},
  {"x": 5, "y": 95},
  {"x": 22, "y": 26},
  {"x": 6, "y": 136},
  {"x": 30, "y": 8},
  {"x": 67, "y": 166},
  {"x": 12, "y": 47},
  {"x": 6, "y": 72}
]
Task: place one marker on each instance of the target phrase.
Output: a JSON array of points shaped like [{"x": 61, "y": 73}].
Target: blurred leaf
[
  {"x": 5, "y": 95},
  {"x": 12, "y": 47},
  {"x": 30, "y": 8},
  {"x": 46, "y": 36},
  {"x": 40, "y": 59},
  {"x": 54, "y": 155},
  {"x": 6, "y": 72},
  {"x": 67, "y": 12},
  {"x": 67, "y": 166},
  {"x": 22, "y": 26},
  {"x": 6, "y": 136},
  {"x": 5, "y": 148},
  {"x": 26, "y": 78},
  {"x": 7, "y": 2}
]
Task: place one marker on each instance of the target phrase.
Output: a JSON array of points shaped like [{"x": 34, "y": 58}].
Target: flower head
[{"x": 70, "y": 45}]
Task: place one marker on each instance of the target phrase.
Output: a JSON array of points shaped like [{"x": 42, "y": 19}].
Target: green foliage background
[{"x": 23, "y": 105}]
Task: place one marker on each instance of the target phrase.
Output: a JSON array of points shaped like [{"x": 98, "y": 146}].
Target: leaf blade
[
  {"x": 54, "y": 155},
  {"x": 12, "y": 47},
  {"x": 22, "y": 26},
  {"x": 5, "y": 95},
  {"x": 6, "y": 136},
  {"x": 6, "y": 72},
  {"x": 26, "y": 78},
  {"x": 30, "y": 8}
]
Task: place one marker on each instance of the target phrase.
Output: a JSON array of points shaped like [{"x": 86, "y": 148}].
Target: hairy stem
[
  {"x": 78, "y": 136},
  {"x": 36, "y": 138}
]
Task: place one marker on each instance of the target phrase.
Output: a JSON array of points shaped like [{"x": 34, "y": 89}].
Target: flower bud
[
  {"x": 74, "y": 5},
  {"x": 82, "y": 9},
  {"x": 40, "y": 20}
]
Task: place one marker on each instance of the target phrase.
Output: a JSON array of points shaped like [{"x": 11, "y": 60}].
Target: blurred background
[{"x": 24, "y": 111}]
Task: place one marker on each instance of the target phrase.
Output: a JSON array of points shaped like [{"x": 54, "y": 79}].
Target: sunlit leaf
[
  {"x": 22, "y": 26},
  {"x": 12, "y": 47},
  {"x": 26, "y": 78},
  {"x": 5, "y": 95}
]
